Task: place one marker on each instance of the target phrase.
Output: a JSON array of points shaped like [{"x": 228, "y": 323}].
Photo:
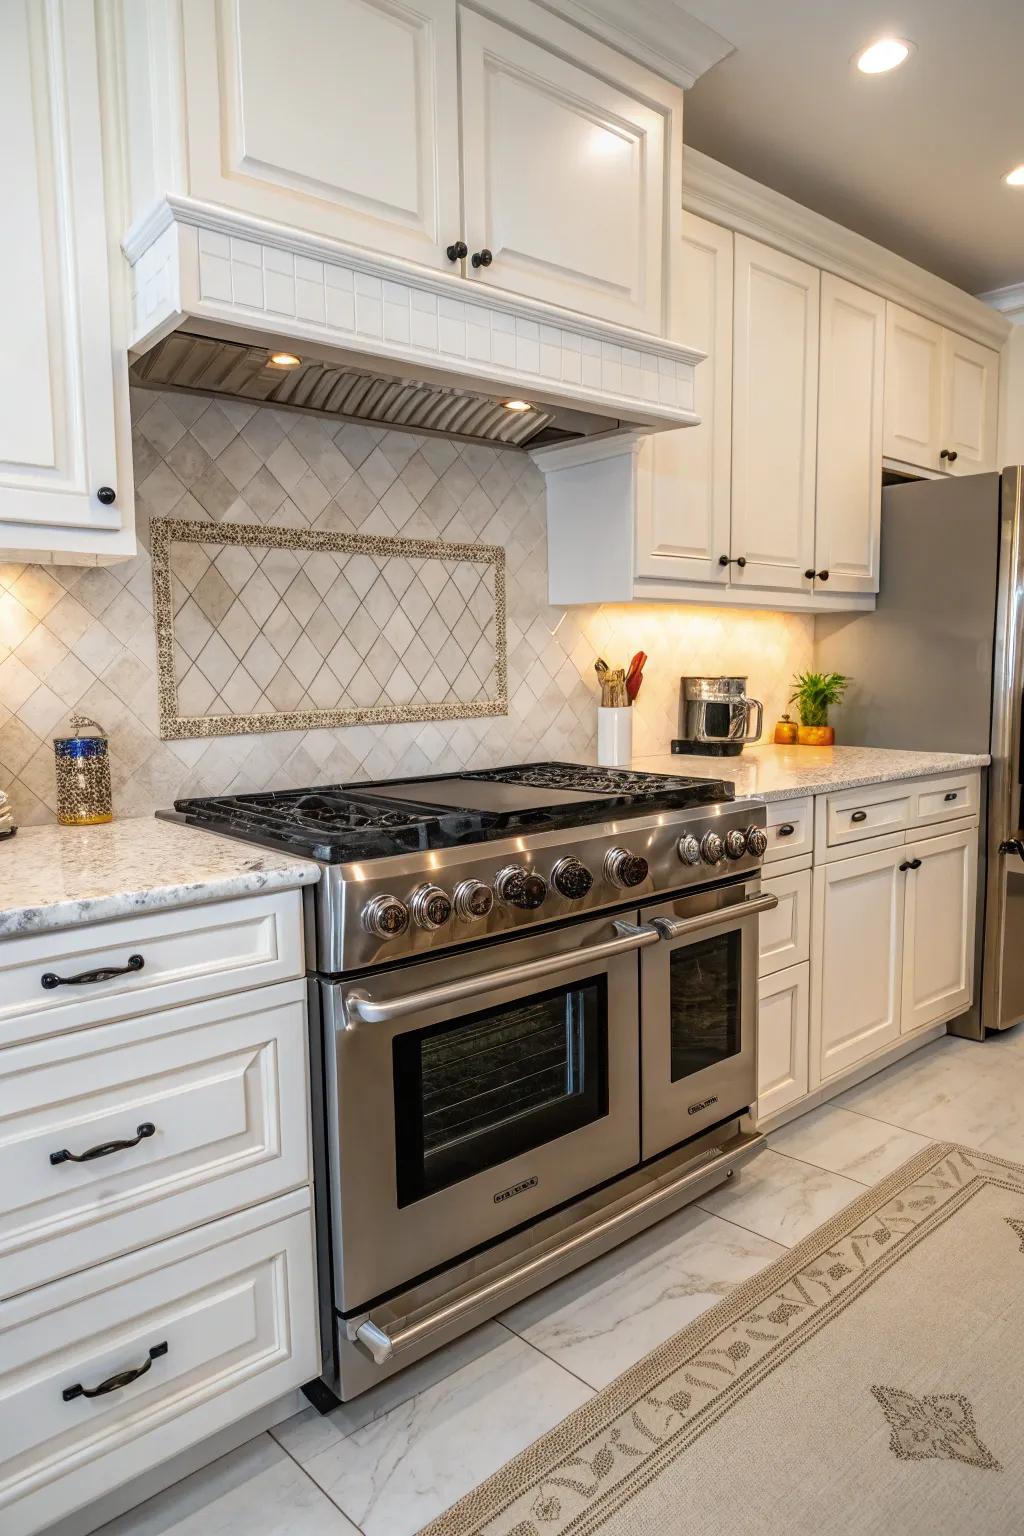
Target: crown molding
[
  {"x": 717, "y": 192},
  {"x": 659, "y": 34},
  {"x": 1009, "y": 301}
]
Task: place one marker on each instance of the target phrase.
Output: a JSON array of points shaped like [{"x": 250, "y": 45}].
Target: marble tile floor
[{"x": 390, "y": 1461}]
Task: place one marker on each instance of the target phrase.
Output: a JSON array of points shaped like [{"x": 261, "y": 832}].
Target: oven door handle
[
  {"x": 682, "y": 927},
  {"x": 630, "y": 937}
]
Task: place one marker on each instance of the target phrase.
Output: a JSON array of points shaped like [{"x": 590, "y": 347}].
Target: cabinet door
[
  {"x": 564, "y": 173},
  {"x": 683, "y": 526},
  {"x": 851, "y": 377},
  {"x": 970, "y": 397},
  {"x": 774, "y": 425},
  {"x": 338, "y": 117},
  {"x": 57, "y": 407},
  {"x": 938, "y": 952},
  {"x": 858, "y": 950},
  {"x": 781, "y": 1039},
  {"x": 913, "y": 388}
]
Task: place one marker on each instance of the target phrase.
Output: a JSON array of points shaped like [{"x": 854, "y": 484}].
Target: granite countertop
[
  {"x": 784, "y": 773},
  {"x": 58, "y": 877}
]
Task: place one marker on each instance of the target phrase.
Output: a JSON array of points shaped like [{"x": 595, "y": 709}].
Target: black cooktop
[{"x": 343, "y": 822}]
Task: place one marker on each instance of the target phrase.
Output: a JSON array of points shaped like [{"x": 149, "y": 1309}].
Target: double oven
[{"x": 471, "y": 1095}]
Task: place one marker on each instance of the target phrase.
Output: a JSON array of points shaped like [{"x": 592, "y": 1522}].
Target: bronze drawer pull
[
  {"x": 786, "y": 830},
  {"x": 859, "y": 816},
  {"x": 147, "y": 1128},
  {"x": 50, "y": 979},
  {"x": 115, "y": 1383}
]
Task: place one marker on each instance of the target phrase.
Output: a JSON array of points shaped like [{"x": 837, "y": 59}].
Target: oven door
[
  {"x": 468, "y": 1094},
  {"x": 698, "y": 1012}
]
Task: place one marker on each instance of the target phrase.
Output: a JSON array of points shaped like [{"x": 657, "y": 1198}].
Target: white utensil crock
[{"x": 614, "y": 737}]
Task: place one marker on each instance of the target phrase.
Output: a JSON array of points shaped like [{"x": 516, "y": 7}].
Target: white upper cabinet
[
  {"x": 851, "y": 375},
  {"x": 774, "y": 427},
  {"x": 970, "y": 398},
  {"x": 941, "y": 396},
  {"x": 683, "y": 524},
  {"x": 60, "y": 408},
  {"x": 565, "y": 170},
  {"x": 339, "y": 117}
]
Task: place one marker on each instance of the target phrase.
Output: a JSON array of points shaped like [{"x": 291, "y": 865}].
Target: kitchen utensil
[{"x": 715, "y": 716}]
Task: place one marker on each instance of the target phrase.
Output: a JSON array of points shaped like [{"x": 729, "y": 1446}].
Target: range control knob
[
  {"x": 386, "y": 917},
  {"x": 757, "y": 841},
  {"x": 625, "y": 869},
  {"x": 571, "y": 879},
  {"x": 735, "y": 843},
  {"x": 430, "y": 906},
  {"x": 472, "y": 899},
  {"x": 519, "y": 887},
  {"x": 712, "y": 849},
  {"x": 688, "y": 849}
]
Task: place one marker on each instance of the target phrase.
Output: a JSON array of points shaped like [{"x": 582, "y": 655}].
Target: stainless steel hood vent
[{"x": 212, "y": 365}]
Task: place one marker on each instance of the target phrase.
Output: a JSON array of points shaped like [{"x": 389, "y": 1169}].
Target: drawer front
[
  {"x": 790, "y": 827},
  {"x": 784, "y": 934},
  {"x": 946, "y": 799},
  {"x": 782, "y": 1039},
  {"x": 224, "y": 1319},
  {"x": 856, "y": 814},
  {"x": 201, "y": 1111},
  {"x": 186, "y": 953}
]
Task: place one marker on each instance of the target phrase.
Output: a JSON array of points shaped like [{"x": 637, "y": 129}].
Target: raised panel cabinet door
[
  {"x": 683, "y": 527},
  {"x": 858, "y": 959},
  {"x": 938, "y": 953},
  {"x": 970, "y": 400},
  {"x": 851, "y": 380},
  {"x": 338, "y": 117},
  {"x": 58, "y": 418},
  {"x": 781, "y": 1039},
  {"x": 774, "y": 423},
  {"x": 564, "y": 173},
  {"x": 913, "y": 389}
]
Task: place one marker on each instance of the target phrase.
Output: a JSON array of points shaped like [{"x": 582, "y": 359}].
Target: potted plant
[{"x": 814, "y": 693}]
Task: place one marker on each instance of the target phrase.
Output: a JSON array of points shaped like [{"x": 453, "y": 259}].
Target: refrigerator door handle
[{"x": 1013, "y": 845}]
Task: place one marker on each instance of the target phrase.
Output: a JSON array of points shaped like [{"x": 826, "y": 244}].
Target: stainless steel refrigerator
[{"x": 939, "y": 667}]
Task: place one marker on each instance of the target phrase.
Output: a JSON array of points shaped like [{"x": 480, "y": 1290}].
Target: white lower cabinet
[
  {"x": 784, "y": 934},
  {"x": 782, "y": 1038},
  {"x": 201, "y": 1330},
  {"x": 938, "y": 944}
]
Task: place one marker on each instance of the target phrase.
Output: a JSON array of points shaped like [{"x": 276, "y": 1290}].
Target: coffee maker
[{"x": 716, "y": 717}]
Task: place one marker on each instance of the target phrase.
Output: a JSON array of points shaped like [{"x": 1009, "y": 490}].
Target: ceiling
[{"x": 913, "y": 159}]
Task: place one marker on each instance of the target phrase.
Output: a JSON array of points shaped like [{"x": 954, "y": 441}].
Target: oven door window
[
  {"x": 478, "y": 1090},
  {"x": 704, "y": 1003}
]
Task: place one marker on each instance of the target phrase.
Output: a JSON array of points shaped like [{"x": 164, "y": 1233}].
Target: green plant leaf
[{"x": 815, "y": 692}]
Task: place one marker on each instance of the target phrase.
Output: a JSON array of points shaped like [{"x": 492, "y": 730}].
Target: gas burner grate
[{"x": 603, "y": 781}]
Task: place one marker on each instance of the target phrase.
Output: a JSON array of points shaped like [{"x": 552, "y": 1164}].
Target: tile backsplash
[{"x": 82, "y": 638}]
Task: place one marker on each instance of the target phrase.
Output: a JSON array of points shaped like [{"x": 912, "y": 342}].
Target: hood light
[
  {"x": 887, "y": 53},
  {"x": 284, "y": 360},
  {"x": 517, "y": 405},
  {"x": 1015, "y": 178}
]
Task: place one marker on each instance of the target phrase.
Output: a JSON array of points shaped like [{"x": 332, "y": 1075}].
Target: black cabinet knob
[
  {"x": 482, "y": 258},
  {"x": 950, "y": 454},
  {"x": 106, "y": 494},
  {"x": 905, "y": 866},
  {"x": 809, "y": 575},
  {"x": 458, "y": 252},
  {"x": 859, "y": 816},
  {"x": 823, "y": 575}
]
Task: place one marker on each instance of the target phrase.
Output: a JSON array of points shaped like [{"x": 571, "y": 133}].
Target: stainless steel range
[{"x": 533, "y": 1003}]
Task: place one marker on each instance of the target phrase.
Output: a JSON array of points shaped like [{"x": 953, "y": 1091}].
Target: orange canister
[{"x": 786, "y": 732}]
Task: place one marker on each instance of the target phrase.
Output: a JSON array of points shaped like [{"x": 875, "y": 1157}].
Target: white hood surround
[{"x": 215, "y": 271}]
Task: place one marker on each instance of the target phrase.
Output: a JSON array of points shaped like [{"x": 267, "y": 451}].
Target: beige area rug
[{"x": 869, "y": 1381}]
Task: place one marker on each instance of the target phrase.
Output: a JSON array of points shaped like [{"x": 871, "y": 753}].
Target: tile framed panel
[{"x": 287, "y": 629}]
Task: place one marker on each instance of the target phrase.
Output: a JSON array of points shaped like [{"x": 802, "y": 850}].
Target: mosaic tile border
[{"x": 164, "y": 532}]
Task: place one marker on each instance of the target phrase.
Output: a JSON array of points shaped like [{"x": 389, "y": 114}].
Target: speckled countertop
[
  {"x": 58, "y": 877},
  {"x": 785, "y": 773}
]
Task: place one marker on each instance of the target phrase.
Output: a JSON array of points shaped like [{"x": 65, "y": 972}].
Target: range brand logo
[
  {"x": 515, "y": 1189},
  {"x": 695, "y": 1109}
]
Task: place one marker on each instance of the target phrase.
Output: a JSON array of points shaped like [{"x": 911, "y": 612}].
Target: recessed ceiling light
[
  {"x": 284, "y": 360},
  {"x": 887, "y": 53},
  {"x": 517, "y": 405},
  {"x": 1015, "y": 178}
]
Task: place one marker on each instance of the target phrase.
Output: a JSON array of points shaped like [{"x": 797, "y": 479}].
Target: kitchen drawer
[
  {"x": 219, "y": 1092},
  {"x": 790, "y": 828},
  {"x": 224, "y": 1320},
  {"x": 782, "y": 1039},
  {"x": 784, "y": 934},
  {"x": 187, "y": 954},
  {"x": 855, "y": 814},
  {"x": 945, "y": 799}
]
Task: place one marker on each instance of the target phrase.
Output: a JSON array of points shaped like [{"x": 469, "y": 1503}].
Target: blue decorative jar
[{"x": 83, "y": 776}]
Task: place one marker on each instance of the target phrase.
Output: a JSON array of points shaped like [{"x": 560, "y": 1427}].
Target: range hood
[{"x": 215, "y": 293}]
